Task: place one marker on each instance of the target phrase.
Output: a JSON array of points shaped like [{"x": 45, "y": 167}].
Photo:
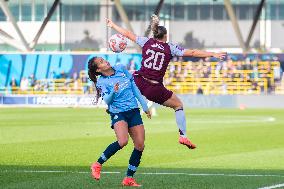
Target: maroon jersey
[{"x": 156, "y": 57}]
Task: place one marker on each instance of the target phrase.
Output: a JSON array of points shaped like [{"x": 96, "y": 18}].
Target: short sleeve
[
  {"x": 141, "y": 40},
  {"x": 176, "y": 50}
]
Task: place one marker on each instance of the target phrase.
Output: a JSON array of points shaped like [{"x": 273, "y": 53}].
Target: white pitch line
[
  {"x": 213, "y": 121},
  {"x": 273, "y": 186},
  {"x": 149, "y": 173},
  {"x": 212, "y": 174}
]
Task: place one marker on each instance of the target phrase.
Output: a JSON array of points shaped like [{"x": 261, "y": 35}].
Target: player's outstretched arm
[
  {"x": 121, "y": 30},
  {"x": 203, "y": 54}
]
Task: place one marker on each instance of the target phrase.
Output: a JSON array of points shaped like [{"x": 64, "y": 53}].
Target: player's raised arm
[
  {"x": 121, "y": 30},
  {"x": 176, "y": 50},
  {"x": 203, "y": 54}
]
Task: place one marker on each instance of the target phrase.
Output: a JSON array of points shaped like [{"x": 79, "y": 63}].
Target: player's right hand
[
  {"x": 149, "y": 115},
  {"x": 109, "y": 23},
  {"x": 116, "y": 87},
  {"x": 221, "y": 55}
]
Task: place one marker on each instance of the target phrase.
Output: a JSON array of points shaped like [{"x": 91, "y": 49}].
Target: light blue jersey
[{"x": 125, "y": 98}]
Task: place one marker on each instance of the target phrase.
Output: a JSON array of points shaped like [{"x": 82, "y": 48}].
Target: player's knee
[
  {"x": 179, "y": 105},
  {"x": 123, "y": 142},
  {"x": 140, "y": 146}
]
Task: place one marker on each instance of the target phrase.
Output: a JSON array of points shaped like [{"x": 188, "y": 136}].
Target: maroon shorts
[{"x": 152, "y": 91}]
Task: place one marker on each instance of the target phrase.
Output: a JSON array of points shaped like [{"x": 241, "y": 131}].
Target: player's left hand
[
  {"x": 148, "y": 113},
  {"x": 221, "y": 55},
  {"x": 109, "y": 23}
]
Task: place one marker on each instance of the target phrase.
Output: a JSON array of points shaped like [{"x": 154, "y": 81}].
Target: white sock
[
  {"x": 181, "y": 122},
  {"x": 153, "y": 111}
]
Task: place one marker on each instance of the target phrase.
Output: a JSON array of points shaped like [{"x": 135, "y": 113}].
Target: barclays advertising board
[{"x": 209, "y": 101}]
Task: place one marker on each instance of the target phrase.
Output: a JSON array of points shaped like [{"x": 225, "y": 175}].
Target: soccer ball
[{"x": 117, "y": 43}]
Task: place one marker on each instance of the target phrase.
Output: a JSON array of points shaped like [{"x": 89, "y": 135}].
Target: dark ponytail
[
  {"x": 92, "y": 72},
  {"x": 158, "y": 31}
]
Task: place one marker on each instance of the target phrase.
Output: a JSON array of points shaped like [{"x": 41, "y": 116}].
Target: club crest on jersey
[
  {"x": 115, "y": 117},
  {"x": 156, "y": 45}
]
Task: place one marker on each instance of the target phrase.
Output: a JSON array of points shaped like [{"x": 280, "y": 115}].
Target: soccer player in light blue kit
[{"x": 117, "y": 87}]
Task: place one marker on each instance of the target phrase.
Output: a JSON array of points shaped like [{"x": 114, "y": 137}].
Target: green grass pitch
[{"x": 54, "y": 147}]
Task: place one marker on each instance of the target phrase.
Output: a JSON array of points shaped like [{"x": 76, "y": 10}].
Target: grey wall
[
  {"x": 214, "y": 34},
  {"x": 277, "y": 34}
]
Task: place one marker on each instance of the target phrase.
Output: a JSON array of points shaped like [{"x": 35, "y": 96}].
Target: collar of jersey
[{"x": 110, "y": 75}]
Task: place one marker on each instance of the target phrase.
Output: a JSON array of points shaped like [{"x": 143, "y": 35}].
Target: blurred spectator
[
  {"x": 84, "y": 80},
  {"x": 206, "y": 72},
  {"x": 37, "y": 86},
  {"x": 247, "y": 64},
  {"x": 239, "y": 65},
  {"x": 24, "y": 85},
  {"x": 255, "y": 70},
  {"x": 52, "y": 75},
  {"x": 45, "y": 86},
  {"x": 178, "y": 71},
  {"x": 32, "y": 80},
  {"x": 224, "y": 88},
  {"x": 14, "y": 85},
  {"x": 277, "y": 73},
  {"x": 75, "y": 82},
  {"x": 254, "y": 85},
  {"x": 62, "y": 75},
  {"x": 199, "y": 90},
  {"x": 218, "y": 69},
  {"x": 172, "y": 70},
  {"x": 186, "y": 69}
]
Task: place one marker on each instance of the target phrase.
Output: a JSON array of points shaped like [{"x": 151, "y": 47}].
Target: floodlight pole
[
  {"x": 11, "y": 41},
  {"x": 156, "y": 12},
  {"x": 46, "y": 20},
  {"x": 124, "y": 18},
  {"x": 255, "y": 20},
  {"x": 11, "y": 18},
  {"x": 234, "y": 21}
]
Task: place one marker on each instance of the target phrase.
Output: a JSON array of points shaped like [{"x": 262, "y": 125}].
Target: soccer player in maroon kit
[{"x": 156, "y": 55}]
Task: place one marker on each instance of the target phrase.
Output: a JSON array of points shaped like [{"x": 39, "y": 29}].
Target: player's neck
[
  {"x": 108, "y": 72},
  {"x": 161, "y": 40}
]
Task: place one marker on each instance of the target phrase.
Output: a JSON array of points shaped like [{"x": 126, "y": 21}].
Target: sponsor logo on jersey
[{"x": 156, "y": 45}]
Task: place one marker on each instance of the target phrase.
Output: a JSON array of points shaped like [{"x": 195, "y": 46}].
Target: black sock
[
  {"x": 109, "y": 151},
  {"x": 134, "y": 162}
]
